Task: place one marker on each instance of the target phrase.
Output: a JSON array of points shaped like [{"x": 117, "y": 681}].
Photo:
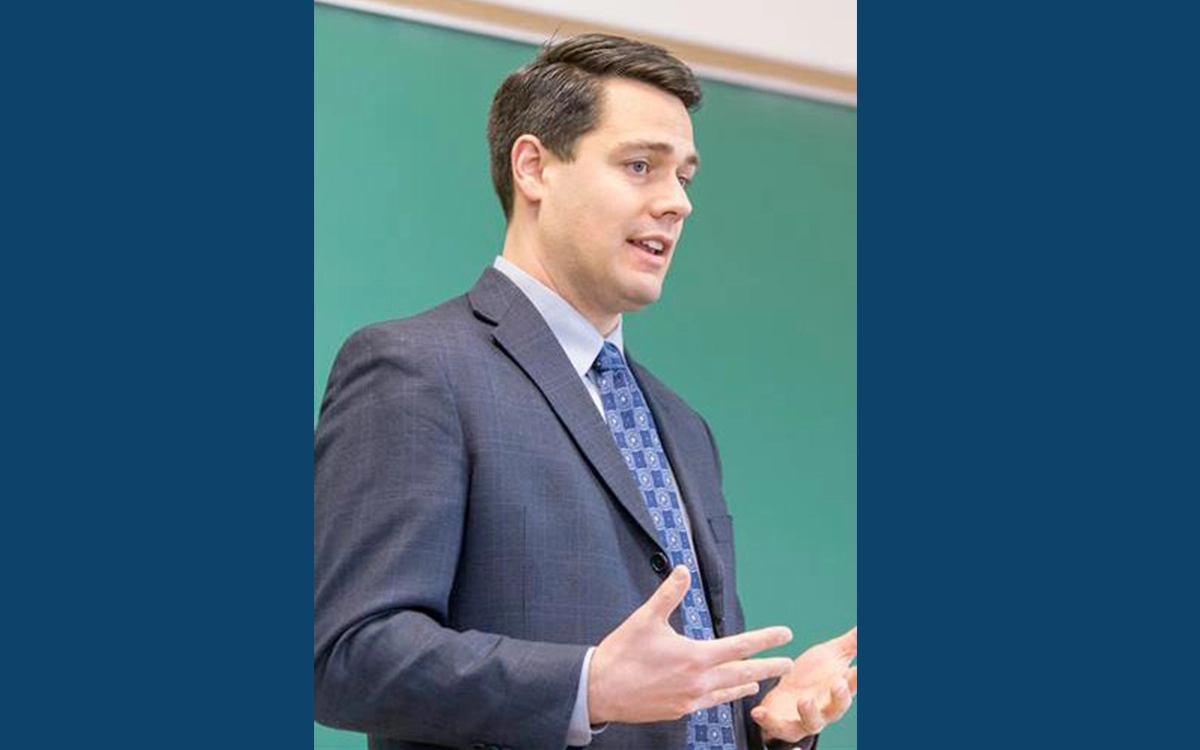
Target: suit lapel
[
  {"x": 680, "y": 443},
  {"x": 524, "y": 336}
]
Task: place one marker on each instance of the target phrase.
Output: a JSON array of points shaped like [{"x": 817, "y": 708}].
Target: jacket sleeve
[{"x": 391, "y": 478}]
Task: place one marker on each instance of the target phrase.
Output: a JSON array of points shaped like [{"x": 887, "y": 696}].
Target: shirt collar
[{"x": 576, "y": 335}]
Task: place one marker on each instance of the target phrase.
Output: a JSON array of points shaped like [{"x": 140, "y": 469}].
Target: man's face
[{"x": 610, "y": 219}]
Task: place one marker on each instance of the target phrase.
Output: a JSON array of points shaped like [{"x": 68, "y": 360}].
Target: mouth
[{"x": 658, "y": 246}]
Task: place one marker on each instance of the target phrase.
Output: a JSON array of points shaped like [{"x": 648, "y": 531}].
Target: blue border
[{"x": 158, "y": 296}]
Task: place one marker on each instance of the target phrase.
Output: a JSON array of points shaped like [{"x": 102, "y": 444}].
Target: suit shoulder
[
  {"x": 398, "y": 353},
  {"x": 664, "y": 392},
  {"x": 420, "y": 334},
  {"x": 682, "y": 413},
  {"x": 665, "y": 395}
]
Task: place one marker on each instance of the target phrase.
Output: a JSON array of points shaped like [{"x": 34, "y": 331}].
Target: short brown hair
[{"x": 557, "y": 96}]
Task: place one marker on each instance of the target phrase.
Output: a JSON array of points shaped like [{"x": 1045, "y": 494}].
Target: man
[{"x": 521, "y": 540}]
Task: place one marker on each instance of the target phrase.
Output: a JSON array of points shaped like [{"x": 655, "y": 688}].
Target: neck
[{"x": 525, "y": 253}]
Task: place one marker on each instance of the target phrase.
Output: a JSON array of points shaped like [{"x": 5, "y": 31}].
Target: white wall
[{"x": 813, "y": 33}]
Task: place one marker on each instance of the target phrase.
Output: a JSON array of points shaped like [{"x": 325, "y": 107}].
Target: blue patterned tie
[{"x": 633, "y": 428}]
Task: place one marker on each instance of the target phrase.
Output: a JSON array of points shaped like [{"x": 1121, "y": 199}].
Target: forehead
[{"x": 636, "y": 112}]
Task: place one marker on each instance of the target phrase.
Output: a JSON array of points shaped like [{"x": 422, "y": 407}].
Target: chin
[{"x": 639, "y": 298}]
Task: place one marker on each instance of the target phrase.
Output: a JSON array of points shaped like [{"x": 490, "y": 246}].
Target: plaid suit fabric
[{"x": 477, "y": 529}]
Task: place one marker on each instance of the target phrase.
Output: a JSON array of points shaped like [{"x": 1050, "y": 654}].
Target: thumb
[
  {"x": 847, "y": 643},
  {"x": 669, "y": 594},
  {"x": 759, "y": 714}
]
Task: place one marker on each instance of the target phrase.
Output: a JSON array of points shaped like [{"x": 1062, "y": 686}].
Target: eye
[
  {"x": 643, "y": 164},
  {"x": 685, "y": 181}
]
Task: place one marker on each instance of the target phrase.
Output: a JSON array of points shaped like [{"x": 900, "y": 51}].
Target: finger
[
  {"x": 788, "y": 729},
  {"x": 745, "y": 645},
  {"x": 670, "y": 594},
  {"x": 847, "y": 643},
  {"x": 852, "y": 679},
  {"x": 811, "y": 720},
  {"x": 839, "y": 703},
  {"x": 726, "y": 695},
  {"x": 772, "y": 725},
  {"x": 735, "y": 673}
]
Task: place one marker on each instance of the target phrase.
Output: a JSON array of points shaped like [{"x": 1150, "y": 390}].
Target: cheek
[{"x": 614, "y": 198}]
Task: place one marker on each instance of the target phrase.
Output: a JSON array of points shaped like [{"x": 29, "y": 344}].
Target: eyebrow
[{"x": 692, "y": 160}]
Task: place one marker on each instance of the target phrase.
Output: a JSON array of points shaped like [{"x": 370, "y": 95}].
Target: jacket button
[{"x": 660, "y": 563}]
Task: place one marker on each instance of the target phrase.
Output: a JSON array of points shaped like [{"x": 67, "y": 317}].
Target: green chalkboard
[{"x": 757, "y": 325}]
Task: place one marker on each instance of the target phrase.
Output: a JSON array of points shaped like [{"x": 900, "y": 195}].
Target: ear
[{"x": 528, "y": 162}]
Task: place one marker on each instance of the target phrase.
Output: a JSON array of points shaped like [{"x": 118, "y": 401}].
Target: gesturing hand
[
  {"x": 644, "y": 671},
  {"x": 816, "y": 691}
]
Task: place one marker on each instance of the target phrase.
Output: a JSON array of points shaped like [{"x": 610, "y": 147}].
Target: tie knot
[{"x": 608, "y": 359}]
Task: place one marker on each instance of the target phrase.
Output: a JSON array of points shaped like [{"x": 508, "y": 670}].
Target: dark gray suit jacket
[{"x": 476, "y": 529}]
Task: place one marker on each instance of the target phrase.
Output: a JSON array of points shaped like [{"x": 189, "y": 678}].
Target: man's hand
[
  {"x": 644, "y": 671},
  {"x": 816, "y": 691}
]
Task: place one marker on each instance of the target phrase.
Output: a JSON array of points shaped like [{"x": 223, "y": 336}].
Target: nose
[{"x": 672, "y": 202}]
